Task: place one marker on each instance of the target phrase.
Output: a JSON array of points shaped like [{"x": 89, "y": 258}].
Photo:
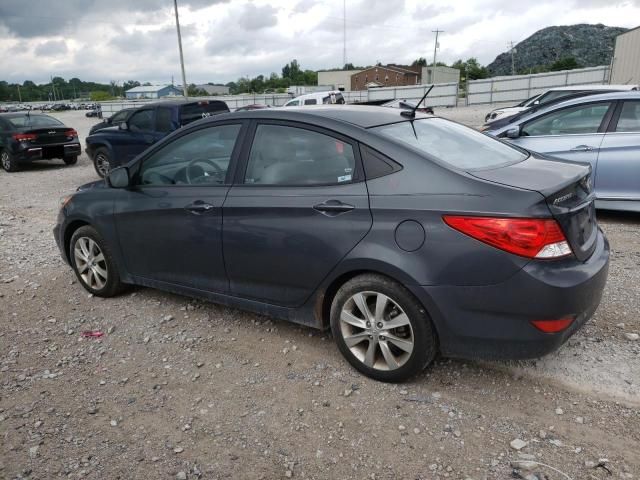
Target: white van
[
  {"x": 317, "y": 98},
  {"x": 552, "y": 95}
]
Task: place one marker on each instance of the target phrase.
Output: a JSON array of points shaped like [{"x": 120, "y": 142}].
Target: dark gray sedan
[
  {"x": 407, "y": 236},
  {"x": 603, "y": 130}
]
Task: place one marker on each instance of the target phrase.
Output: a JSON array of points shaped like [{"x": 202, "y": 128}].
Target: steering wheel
[{"x": 190, "y": 168}]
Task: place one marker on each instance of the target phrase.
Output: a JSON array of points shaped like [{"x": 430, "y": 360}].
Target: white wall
[{"x": 516, "y": 88}]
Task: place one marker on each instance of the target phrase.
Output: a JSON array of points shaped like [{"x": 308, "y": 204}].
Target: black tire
[
  {"x": 112, "y": 286},
  {"x": 102, "y": 162},
  {"x": 8, "y": 162},
  {"x": 419, "y": 329},
  {"x": 71, "y": 160}
]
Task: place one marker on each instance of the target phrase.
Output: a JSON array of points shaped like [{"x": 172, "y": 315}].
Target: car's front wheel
[
  {"x": 8, "y": 162},
  {"x": 102, "y": 162},
  {"x": 93, "y": 263},
  {"x": 382, "y": 329}
]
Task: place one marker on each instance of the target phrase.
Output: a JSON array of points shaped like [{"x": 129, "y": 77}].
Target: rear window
[
  {"x": 454, "y": 144},
  {"x": 202, "y": 109},
  {"x": 34, "y": 121}
]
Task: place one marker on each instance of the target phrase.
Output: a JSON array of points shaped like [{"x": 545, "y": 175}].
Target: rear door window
[
  {"x": 191, "y": 112},
  {"x": 164, "y": 122},
  {"x": 452, "y": 143},
  {"x": 581, "y": 119},
  {"x": 310, "y": 101},
  {"x": 283, "y": 155},
  {"x": 629, "y": 120}
]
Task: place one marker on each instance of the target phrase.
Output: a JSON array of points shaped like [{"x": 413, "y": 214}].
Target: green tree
[
  {"x": 100, "y": 96},
  {"x": 419, "y": 62},
  {"x": 567, "y": 63},
  {"x": 471, "y": 69}
]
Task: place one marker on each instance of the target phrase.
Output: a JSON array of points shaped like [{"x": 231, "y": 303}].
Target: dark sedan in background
[
  {"x": 407, "y": 236},
  {"x": 26, "y": 137}
]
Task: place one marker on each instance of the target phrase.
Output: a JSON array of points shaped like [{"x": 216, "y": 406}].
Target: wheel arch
[{"x": 68, "y": 233}]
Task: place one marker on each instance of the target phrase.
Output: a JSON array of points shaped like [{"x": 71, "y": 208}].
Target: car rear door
[
  {"x": 571, "y": 133},
  {"x": 299, "y": 206},
  {"x": 169, "y": 222},
  {"x": 618, "y": 171},
  {"x": 138, "y": 136}
]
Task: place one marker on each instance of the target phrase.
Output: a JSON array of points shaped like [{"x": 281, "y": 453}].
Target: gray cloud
[
  {"x": 256, "y": 18},
  {"x": 51, "y": 48}
]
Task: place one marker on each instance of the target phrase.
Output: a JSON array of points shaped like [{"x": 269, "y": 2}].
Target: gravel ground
[{"x": 178, "y": 388}]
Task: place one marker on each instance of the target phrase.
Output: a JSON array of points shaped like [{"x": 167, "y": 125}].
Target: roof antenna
[{"x": 412, "y": 113}]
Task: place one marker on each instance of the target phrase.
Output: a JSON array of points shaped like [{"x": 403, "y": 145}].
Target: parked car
[
  {"x": 254, "y": 106},
  {"x": 406, "y": 236},
  {"x": 114, "y": 146},
  {"x": 407, "y": 105},
  {"x": 95, "y": 112},
  {"x": 26, "y": 137},
  {"x": 114, "y": 120},
  {"x": 317, "y": 98},
  {"x": 602, "y": 130},
  {"x": 552, "y": 95}
]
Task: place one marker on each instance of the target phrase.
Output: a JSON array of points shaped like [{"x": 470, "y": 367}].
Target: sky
[{"x": 119, "y": 40}]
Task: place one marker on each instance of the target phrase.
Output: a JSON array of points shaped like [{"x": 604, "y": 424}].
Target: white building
[
  {"x": 440, "y": 75},
  {"x": 625, "y": 65},
  {"x": 336, "y": 79},
  {"x": 153, "y": 91}
]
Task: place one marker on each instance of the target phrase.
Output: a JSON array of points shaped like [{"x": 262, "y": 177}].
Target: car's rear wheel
[
  {"x": 8, "y": 162},
  {"x": 382, "y": 329},
  {"x": 71, "y": 160},
  {"x": 93, "y": 263},
  {"x": 102, "y": 162}
]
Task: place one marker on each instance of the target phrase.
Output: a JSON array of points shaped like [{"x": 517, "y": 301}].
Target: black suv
[{"x": 114, "y": 146}]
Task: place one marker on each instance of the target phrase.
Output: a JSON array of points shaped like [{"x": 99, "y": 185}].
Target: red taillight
[
  {"x": 71, "y": 133},
  {"x": 527, "y": 237},
  {"x": 24, "y": 137},
  {"x": 552, "y": 326}
]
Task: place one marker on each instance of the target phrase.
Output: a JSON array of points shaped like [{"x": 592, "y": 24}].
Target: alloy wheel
[
  {"x": 90, "y": 263},
  {"x": 102, "y": 164},
  {"x": 6, "y": 162},
  {"x": 376, "y": 330}
]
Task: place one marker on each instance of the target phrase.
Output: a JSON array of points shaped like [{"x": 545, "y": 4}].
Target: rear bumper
[
  {"x": 494, "y": 321},
  {"x": 47, "y": 152}
]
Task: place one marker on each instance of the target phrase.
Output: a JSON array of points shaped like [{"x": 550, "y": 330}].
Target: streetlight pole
[
  {"x": 435, "y": 51},
  {"x": 184, "y": 77}
]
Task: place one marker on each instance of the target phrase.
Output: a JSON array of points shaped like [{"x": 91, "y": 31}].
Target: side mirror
[
  {"x": 123, "y": 126},
  {"x": 513, "y": 132},
  {"x": 118, "y": 177}
]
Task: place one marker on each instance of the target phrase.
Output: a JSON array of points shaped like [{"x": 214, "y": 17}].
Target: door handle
[
  {"x": 333, "y": 207},
  {"x": 199, "y": 207},
  {"x": 582, "y": 148}
]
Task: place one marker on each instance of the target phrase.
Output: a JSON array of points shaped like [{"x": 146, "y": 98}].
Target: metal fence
[
  {"x": 520, "y": 87},
  {"x": 442, "y": 95}
]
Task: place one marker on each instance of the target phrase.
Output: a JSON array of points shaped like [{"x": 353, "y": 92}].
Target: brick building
[{"x": 386, "y": 76}]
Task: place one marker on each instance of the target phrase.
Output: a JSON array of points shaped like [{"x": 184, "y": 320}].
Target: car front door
[
  {"x": 138, "y": 136},
  {"x": 170, "y": 221},
  {"x": 300, "y": 206},
  {"x": 572, "y": 133},
  {"x": 618, "y": 172}
]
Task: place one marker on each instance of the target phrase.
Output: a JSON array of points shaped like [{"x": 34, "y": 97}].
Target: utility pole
[
  {"x": 19, "y": 96},
  {"x": 435, "y": 51},
  {"x": 344, "y": 33},
  {"x": 184, "y": 77},
  {"x": 513, "y": 61}
]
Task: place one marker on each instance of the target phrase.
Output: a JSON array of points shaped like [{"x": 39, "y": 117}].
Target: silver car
[{"x": 603, "y": 130}]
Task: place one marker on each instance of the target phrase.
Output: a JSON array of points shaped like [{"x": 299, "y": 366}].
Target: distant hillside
[{"x": 590, "y": 45}]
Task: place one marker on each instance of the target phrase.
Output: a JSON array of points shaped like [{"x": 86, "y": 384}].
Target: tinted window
[
  {"x": 34, "y": 121},
  {"x": 550, "y": 96},
  {"x": 376, "y": 164},
  {"x": 629, "y": 120},
  {"x": 201, "y": 157},
  {"x": 190, "y": 112},
  {"x": 163, "y": 120},
  {"x": 573, "y": 120},
  {"x": 142, "y": 120},
  {"x": 310, "y": 101},
  {"x": 119, "y": 117},
  {"x": 295, "y": 156},
  {"x": 292, "y": 103},
  {"x": 459, "y": 146}
]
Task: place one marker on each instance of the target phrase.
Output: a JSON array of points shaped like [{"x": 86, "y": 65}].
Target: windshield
[
  {"x": 554, "y": 95},
  {"x": 457, "y": 145},
  {"x": 34, "y": 121}
]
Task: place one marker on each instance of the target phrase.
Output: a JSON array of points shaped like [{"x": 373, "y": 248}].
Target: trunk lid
[
  {"x": 190, "y": 112},
  {"x": 568, "y": 191},
  {"x": 48, "y": 135}
]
